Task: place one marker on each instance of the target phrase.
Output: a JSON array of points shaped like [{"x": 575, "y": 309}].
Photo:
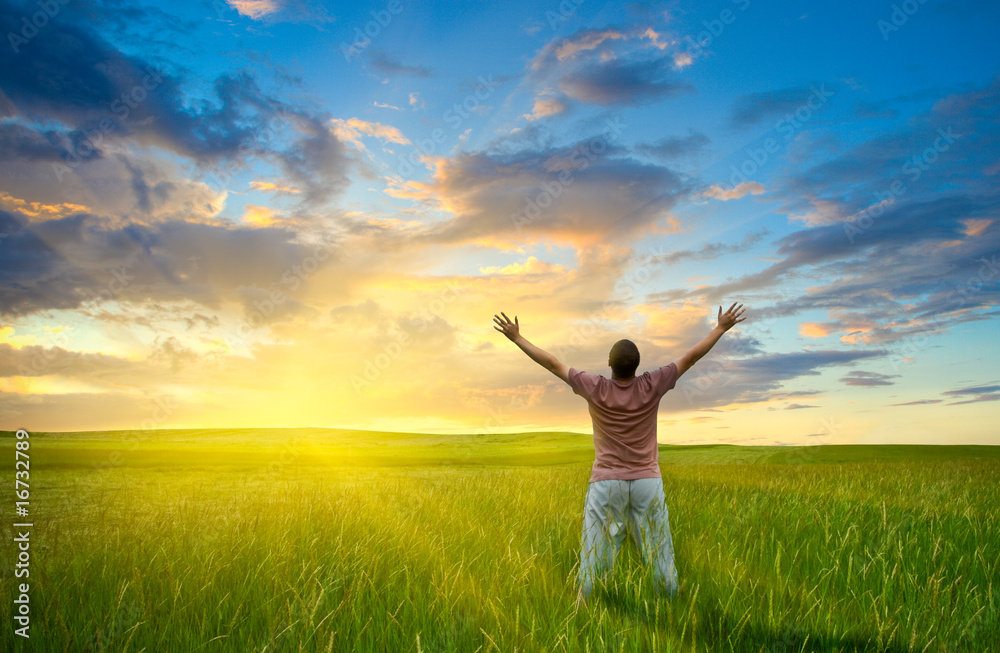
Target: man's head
[{"x": 624, "y": 359}]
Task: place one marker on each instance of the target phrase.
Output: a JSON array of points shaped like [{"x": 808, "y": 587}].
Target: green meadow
[{"x": 332, "y": 540}]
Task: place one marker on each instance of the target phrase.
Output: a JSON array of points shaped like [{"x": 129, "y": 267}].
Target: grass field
[{"x": 324, "y": 540}]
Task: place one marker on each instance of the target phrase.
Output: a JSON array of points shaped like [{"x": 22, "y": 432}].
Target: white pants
[{"x": 614, "y": 508}]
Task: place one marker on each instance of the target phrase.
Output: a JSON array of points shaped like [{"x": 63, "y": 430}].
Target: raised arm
[
  {"x": 727, "y": 321},
  {"x": 513, "y": 332}
]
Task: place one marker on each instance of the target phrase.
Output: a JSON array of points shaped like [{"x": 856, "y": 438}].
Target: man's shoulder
[
  {"x": 584, "y": 383},
  {"x": 575, "y": 370}
]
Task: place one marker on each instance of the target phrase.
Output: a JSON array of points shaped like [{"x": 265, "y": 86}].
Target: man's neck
[{"x": 618, "y": 378}]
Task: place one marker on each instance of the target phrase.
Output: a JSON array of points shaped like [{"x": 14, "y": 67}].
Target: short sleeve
[
  {"x": 664, "y": 378},
  {"x": 582, "y": 383}
]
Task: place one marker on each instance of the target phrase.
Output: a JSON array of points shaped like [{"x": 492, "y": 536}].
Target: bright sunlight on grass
[{"x": 322, "y": 540}]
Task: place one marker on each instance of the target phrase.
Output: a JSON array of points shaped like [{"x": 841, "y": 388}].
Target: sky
[{"x": 284, "y": 213}]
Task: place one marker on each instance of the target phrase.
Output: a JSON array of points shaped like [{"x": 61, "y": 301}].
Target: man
[{"x": 625, "y": 493}]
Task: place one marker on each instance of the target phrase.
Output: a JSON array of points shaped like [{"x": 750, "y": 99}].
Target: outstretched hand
[
  {"x": 510, "y": 329},
  {"x": 728, "y": 319}
]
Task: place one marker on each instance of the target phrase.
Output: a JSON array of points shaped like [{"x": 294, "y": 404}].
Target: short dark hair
[{"x": 624, "y": 359}]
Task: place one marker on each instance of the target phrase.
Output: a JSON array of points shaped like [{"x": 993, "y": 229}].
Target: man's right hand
[{"x": 728, "y": 319}]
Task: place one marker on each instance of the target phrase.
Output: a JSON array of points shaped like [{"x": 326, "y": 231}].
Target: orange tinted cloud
[
  {"x": 272, "y": 187},
  {"x": 353, "y": 128},
  {"x": 39, "y": 211},
  {"x": 260, "y": 216},
  {"x": 531, "y": 266},
  {"x": 746, "y": 188},
  {"x": 813, "y": 330}
]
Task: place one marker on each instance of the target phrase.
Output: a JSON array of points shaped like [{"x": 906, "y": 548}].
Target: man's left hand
[{"x": 510, "y": 329}]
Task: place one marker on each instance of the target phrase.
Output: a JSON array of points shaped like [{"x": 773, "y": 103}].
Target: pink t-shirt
[{"x": 624, "y": 416}]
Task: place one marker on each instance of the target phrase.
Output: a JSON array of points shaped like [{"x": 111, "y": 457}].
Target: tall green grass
[{"x": 215, "y": 550}]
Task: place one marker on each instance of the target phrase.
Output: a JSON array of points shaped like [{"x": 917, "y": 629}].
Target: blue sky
[{"x": 236, "y": 208}]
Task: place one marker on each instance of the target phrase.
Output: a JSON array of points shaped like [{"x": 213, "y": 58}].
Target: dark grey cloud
[
  {"x": 22, "y": 142},
  {"x": 802, "y": 363},
  {"x": 611, "y": 66},
  {"x": 744, "y": 376},
  {"x": 670, "y": 148},
  {"x": 35, "y": 360},
  {"x": 63, "y": 263},
  {"x": 73, "y": 77},
  {"x": 588, "y": 190},
  {"x": 387, "y": 65},
  {"x": 623, "y": 82},
  {"x": 711, "y": 250},
  {"x": 316, "y": 163},
  {"x": 977, "y": 393},
  {"x": 910, "y": 268},
  {"x": 861, "y": 378},
  {"x": 754, "y": 108}
]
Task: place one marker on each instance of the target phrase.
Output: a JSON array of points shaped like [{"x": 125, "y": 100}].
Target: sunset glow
[{"x": 267, "y": 213}]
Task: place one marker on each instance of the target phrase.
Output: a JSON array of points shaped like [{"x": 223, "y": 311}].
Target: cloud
[
  {"x": 919, "y": 402},
  {"x": 563, "y": 49},
  {"x": 674, "y": 147},
  {"x": 140, "y": 188},
  {"x": 18, "y": 141},
  {"x": 255, "y": 9},
  {"x": 814, "y": 330},
  {"x": 867, "y": 379},
  {"x": 607, "y": 67},
  {"x": 530, "y": 266},
  {"x": 583, "y": 193},
  {"x": 979, "y": 393},
  {"x": 386, "y": 65},
  {"x": 260, "y": 216},
  {"x": 909, "y": 268},
  {"x": 735, "y": 376},
  {"x": 66, "y": 262},
  {"x": 715, "y": 191},
  {"x": 101, "y": 98},
  {"x": 617, "y": 82},
  {"x": 712, "y": 250},
  {"x": 272, "y": 11},
  {"x": 274, "y": 187},
  {"x": 754, "y": 108},
  {"x": 317, "y": 161},
  {"x": 546, "y": 107},
  {"x": 38, "y": 211},
  {"x": 351, "y": 130}
]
